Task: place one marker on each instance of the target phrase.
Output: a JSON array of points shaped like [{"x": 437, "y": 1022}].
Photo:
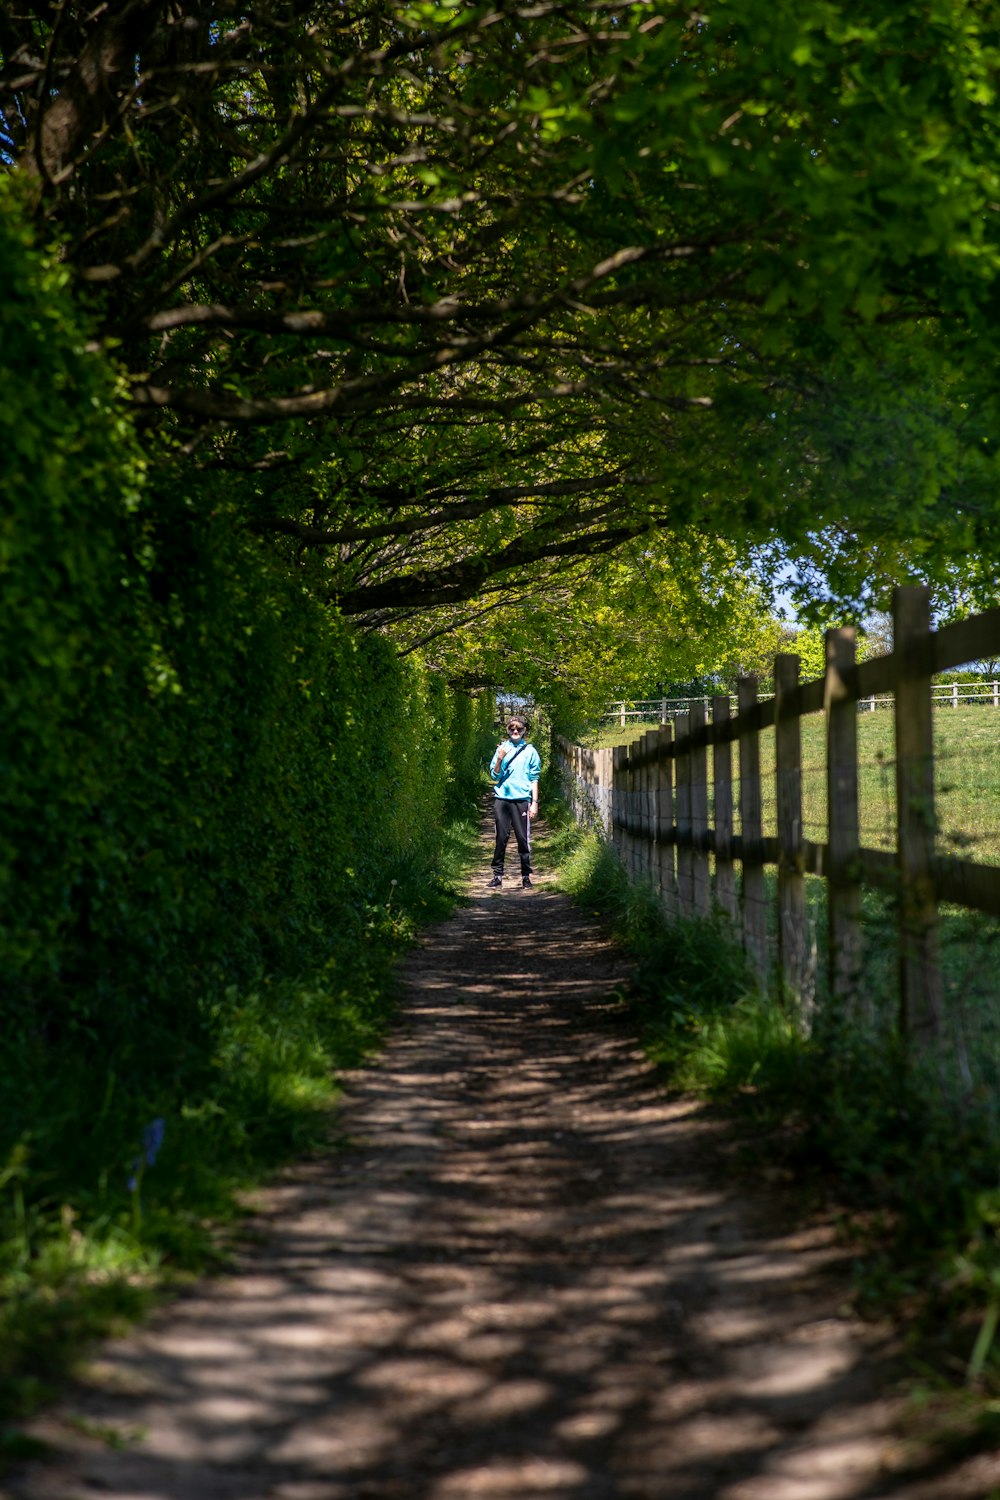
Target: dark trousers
[{"x": 509, "y": 814}]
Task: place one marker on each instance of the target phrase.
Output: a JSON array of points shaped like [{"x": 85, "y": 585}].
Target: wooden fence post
[
  {"x": 627, "y": 810},
  {"x": 665, "y": 820},
  {"x": 792, "y": 941},
  {"x": 621, "y": 797},
  {"x": 722, "y": 777},
  {"x": 682, "y": 763},
  {"x": 752, "y": 887},
  {"x": 643, "y": 777},
  {"x": 587, "y": 784},
  {"x": 843, "y": 840},
  {"x": 639, "y": 803},
  {"x": 640, "y": 809},
  {"x": 599, "y": 790},
  {"x": 919, "y": 964},
  {"x": 633, "y": 812},
  {"x": 649, "y": 741},
  {"x": 617, "y": 800},
  {"x": 595, "y": 789},
  {"x": 639, "y": 797},
  {"x": 701, "y": 879},
  {"x": 645, "y": 848}
]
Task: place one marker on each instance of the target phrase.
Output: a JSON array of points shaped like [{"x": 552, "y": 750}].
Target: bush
[{"x": 223, "y": 815}]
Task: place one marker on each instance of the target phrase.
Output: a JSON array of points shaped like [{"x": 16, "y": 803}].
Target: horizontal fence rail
[
  {"x": 662, "y": 710},
  {"x": 651, "y": 800}
]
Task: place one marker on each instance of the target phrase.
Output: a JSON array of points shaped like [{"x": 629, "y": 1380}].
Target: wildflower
[{"x": 152, "y": 1140}]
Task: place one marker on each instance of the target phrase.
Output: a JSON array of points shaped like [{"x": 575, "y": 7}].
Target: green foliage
[
  {"x": 687, "y": 972},
  {"x": 660, "y": 608},
  {"x": 727, "y": 277},
  {"x": 701, "y": 1014},
  {"x": 845, "y": 1107},
  {"x": 224, "y": 816},
  {"x": 69, "y": 476}
]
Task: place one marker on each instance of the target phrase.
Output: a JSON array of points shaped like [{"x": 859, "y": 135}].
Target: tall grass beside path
[
  {"x": 87, "y": 1247},
  {"x": 849, "y": 1118}
]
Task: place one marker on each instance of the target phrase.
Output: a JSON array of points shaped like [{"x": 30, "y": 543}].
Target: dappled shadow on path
[{"x": 529, "y": 1274}]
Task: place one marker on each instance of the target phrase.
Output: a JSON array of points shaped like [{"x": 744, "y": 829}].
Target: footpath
[{"x": 528, "y": 1271}]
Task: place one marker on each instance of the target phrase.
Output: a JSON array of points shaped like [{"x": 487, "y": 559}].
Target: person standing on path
[{"x": 515, "y": 767}]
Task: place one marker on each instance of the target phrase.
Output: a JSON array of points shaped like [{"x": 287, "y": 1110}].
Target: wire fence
[{"x": 735, "y": 810}]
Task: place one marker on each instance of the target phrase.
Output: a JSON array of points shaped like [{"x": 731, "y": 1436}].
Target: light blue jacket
[{"x": 524, "y": 771}]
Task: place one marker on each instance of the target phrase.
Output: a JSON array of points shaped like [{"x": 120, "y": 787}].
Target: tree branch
[
  {"x": 79, "y": 107},
  {"x": 469, "y": 510},
  {"x": 462, "y": 580}
]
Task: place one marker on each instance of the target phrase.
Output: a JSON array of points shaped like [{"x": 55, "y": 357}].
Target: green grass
[
  {"x": 904, "y": 1145},
  {"x": 967, "y": 744},
  {"x": 82, "y": 1255},
  {"x": 967, "y": 779},
  {"x": 613, "y": 734}
]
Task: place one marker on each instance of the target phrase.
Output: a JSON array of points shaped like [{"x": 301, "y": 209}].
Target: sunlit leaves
[{"x": 740, "y": 261}]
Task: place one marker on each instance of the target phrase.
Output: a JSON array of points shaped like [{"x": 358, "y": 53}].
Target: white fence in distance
[{"x": 661, "y": 710}]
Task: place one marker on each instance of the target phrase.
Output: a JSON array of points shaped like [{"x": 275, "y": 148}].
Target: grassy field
[
  {"x": 967, "y": 796},
  {"x": 967, "y": 779}
]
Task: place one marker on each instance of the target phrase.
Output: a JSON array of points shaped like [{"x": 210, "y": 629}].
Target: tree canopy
[{"x": 453, "y": 302}]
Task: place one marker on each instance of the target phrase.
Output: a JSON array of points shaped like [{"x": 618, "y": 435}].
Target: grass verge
[
  {"x": 112, "y": 1191},
  {"x": 908, "y": 1159}
]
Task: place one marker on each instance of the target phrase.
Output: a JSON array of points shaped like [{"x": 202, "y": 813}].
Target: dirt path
[{"x": 531, "y": 1275}]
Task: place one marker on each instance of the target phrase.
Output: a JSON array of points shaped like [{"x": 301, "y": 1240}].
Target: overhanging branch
[
  {"x": 459, "y": 581},
  {"x": 314, "y": 536}
]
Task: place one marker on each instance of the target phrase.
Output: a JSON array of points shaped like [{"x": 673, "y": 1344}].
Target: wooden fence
[{"x": 652, "y": 799}]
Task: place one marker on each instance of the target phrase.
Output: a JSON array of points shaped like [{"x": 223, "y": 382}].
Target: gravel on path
[{"x": 532, "y": 1273}]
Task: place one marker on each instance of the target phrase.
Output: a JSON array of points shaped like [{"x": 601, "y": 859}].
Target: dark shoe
[
  {"x": 495, "y": 883},
  {"x": 526, "y": 882}
]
